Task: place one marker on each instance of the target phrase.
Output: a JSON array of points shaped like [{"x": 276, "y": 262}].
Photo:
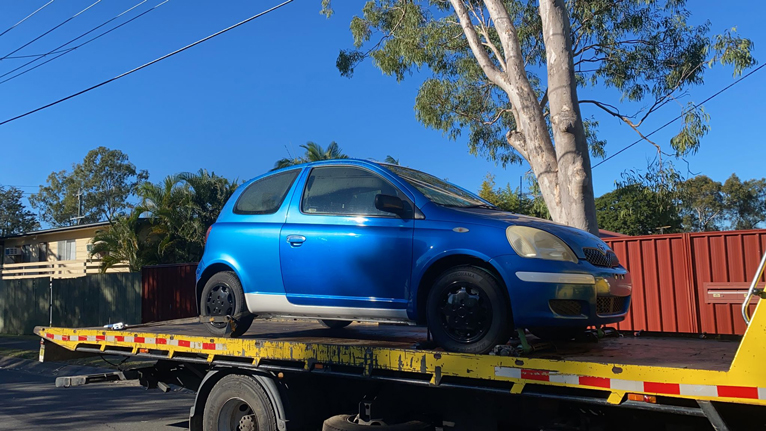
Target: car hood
[{"x": 575, "y": 238}]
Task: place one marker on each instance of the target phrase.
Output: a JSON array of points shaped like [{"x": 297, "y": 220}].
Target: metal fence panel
[
  {"x": 23, "y": 305},
  {"x": 168, "y": 292},
  {"x": 97, "y": 300}
]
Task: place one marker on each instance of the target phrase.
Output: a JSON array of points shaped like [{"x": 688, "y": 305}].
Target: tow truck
[{"x": 296, "y": 375}]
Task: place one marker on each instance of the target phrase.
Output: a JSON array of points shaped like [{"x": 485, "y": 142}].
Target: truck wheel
[
  {"x": 350, "y": 423},
  {"x": 238, "y": 402},
  {"x": 467, "y": 311},
  {"x": 223, "y": 296},
  {"x": 335, "y": 324}
]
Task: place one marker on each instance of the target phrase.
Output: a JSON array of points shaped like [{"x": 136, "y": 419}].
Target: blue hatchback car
[{"x": 353, "y": 240}]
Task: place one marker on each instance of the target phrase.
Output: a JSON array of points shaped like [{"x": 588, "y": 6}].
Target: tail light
[{"x": 207, "y": 234}]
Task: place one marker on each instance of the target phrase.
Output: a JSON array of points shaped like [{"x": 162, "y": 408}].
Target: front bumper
[{"x": 550, "y": 293}]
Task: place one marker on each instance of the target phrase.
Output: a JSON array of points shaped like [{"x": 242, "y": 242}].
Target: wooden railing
[{"x": 56, "y": 269}]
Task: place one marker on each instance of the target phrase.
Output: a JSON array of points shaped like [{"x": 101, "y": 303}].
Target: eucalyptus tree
[{"x": 508, "y": 72}]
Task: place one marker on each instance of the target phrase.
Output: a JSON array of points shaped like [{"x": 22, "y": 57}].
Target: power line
[
  {"x": 258, "y": 15},
  {"x": 27, "y": 17},
  {"x": 56, "y": 49},
  {"x": 10, "y": 57},
  {"x": 67, "y": 51},
  {"x": 682, "y": 115},
  {"x": 53, "y": 28}
]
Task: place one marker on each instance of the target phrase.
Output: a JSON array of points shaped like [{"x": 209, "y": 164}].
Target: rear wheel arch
[
  {"x": 431, "y": 275},
  {"x": 210, "y": 271},
  {"x": 265, "y": 380}
]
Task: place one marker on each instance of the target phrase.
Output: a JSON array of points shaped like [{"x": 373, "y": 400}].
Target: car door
[{"x": 337, "y": 249}]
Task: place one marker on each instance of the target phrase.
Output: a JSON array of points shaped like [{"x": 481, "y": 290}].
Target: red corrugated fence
[
  {"x": 691, "y": 282},
  {"x": 168, "y": 292}
]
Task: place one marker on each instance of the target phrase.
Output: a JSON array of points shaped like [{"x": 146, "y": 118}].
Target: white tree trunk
[
  {"x": 563, "y": 172},
  {"x": 574, "y": 174}
]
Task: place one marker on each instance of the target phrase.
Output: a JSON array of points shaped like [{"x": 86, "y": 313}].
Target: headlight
[{"x": 536, "y": 243}]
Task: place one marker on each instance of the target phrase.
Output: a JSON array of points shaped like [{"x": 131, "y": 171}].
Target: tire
[
  {"x": 237, "y": 399},
  {"x": 553, "y": 333},
  {"x": 223, "y": 296},
  {"x": 347, "y": 423},
  {"x": 335, "y": 324},
  {"x": 467, "y": 311}
]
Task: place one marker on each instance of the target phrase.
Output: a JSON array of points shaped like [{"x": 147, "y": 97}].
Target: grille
[
  {"x": 599, "y": 258},
  {"x": 610, "y": 304},
  {"x": 565, "y": 307}
]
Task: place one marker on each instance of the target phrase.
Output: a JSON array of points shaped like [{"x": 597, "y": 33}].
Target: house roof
[{"x": 57, "y": 230}]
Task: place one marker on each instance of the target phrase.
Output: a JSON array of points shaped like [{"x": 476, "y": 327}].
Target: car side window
[
  {"x": 266, "y": 195},
  {"x": 346, "y": 190}
]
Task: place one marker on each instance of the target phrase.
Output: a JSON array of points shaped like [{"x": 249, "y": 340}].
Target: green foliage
[
  {"x": 170, "y": 223},
  {"x": 745, "y": 202},
  {"x": 122, "y": 243},
  {"x": 647, "y": 51},
  {"x": 107, "y": 181},
  {"x": 511, "y": 200},
  {"x": 314, "y": 153},
  {"x": 701, "y": 204},
  {"x": 642, "y": 204},
  {"x": 391, "y": 160},
  {"x": 14, "y": 217}
]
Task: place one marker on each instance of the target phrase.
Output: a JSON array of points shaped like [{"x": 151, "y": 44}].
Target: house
[{"x": 60, "y": 251}]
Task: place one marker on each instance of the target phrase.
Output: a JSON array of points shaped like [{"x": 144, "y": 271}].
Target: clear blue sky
[{"x": 234, "y": 104}]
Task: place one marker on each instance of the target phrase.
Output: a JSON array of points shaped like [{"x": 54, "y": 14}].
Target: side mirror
[{"x": 389, "y": 204}]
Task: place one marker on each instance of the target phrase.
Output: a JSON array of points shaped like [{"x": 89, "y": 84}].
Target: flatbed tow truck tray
[{"x": 697, "y": 369}]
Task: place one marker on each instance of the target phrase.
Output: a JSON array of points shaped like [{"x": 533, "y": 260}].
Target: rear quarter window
[{"x": 266, "y": 195}]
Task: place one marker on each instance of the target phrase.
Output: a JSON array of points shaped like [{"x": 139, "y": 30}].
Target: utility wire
[
  {"x": 34, "y": 55},
  {"x": 27, "y": 17},
  {"x": 56, "y": 49},
  {"x": 68, "y": 50},
  {"x": 682, "y": 115},
  {"x": 258, "y": 15},
  {"x": 54, "y": 28}
]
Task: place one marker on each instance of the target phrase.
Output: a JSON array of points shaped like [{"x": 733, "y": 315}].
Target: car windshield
[{"x": 438, "y": 191}]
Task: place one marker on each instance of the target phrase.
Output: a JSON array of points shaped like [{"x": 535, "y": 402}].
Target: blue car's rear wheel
[
  {"x": 223, "y": 296},
  {"x": 467, "y": 311}
]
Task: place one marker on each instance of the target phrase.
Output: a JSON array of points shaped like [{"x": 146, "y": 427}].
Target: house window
[{"x": 67, "y": 250}]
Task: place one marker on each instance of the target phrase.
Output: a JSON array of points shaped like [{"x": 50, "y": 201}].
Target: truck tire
[
  {"x": 238, "y": 400},
  {"x": 223, "y": 296},
  {"x": 335, "y": 324},
  {"x": 467, "y": 311},
  {"x": 348, "y": 423}
]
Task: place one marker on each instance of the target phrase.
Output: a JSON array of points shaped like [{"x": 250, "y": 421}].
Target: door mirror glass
[{"x": 389, "y": 204}]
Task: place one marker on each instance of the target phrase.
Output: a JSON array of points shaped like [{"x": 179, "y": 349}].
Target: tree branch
[{"x": 493, "y": 73}]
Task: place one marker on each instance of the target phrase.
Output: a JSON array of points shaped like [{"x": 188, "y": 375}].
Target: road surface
[{"x": 29, "y": 400}]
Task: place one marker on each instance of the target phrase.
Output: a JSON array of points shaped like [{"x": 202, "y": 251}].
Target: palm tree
[
  {"x": 121, "y": 242},
  {"x": 391, "y": 160},
  {"x": 314, "y": 153}
]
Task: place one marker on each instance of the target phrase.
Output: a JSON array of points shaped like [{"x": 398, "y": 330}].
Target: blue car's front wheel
[{"x": 467, "y": 311}]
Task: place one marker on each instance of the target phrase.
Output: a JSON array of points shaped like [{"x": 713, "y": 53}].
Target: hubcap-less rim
[
  {"x": 465, "y": 312},
  {"x": 219, "y": 302},
  {"x": 232, "y": 412}
]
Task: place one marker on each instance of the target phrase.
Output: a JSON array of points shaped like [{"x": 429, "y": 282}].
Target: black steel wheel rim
[
  {"x": 220, "y": 302},
  {"x": 465, "y": 312}
]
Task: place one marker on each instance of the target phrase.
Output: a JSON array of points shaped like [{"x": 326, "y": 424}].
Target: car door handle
[{"x": 296, "y": 240}]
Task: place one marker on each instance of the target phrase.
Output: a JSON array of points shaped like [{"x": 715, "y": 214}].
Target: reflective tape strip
[
  {"x": 627, "y": 385},
  {"x": 511, "y": 373},
  {"x": 569, "y": 379},
  {"x": 699, "y": 390},
  {"x": 762, "y": 393}
]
